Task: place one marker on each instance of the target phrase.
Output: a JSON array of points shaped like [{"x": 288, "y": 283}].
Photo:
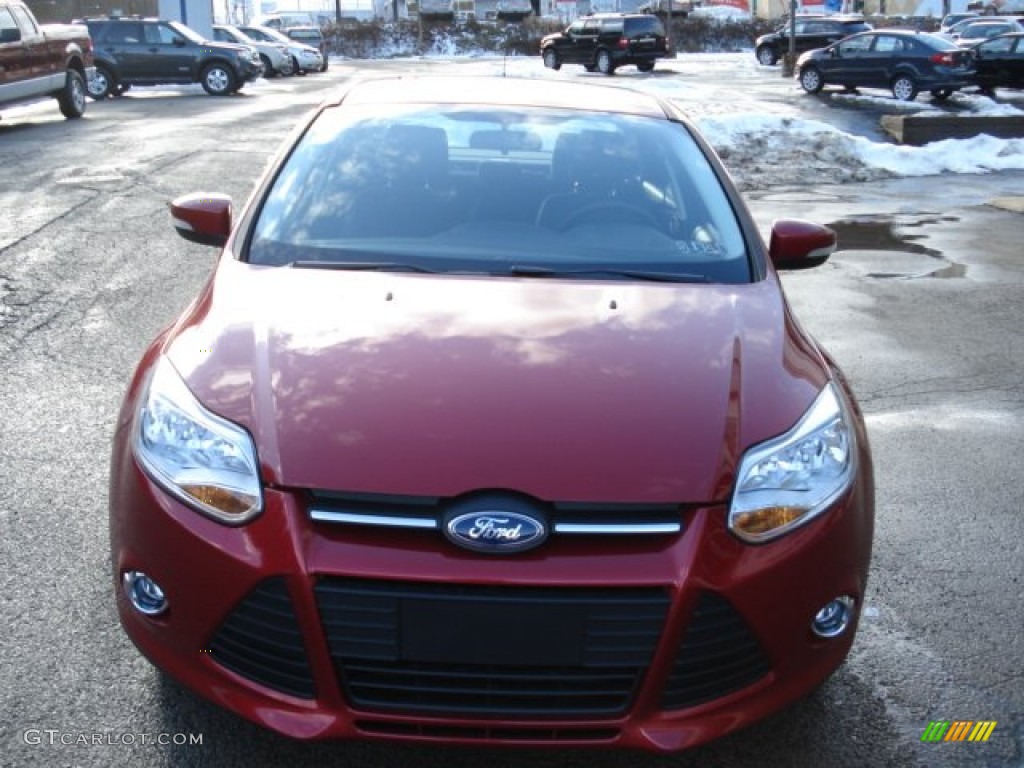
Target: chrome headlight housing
[
  {"x": 202, "y": 459},
  {"x": 789, "y": 480}
]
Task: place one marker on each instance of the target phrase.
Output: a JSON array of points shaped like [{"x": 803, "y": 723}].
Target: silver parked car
[
  {"x": 305, "y": 58},
  {"x": 275, "y": 56}
]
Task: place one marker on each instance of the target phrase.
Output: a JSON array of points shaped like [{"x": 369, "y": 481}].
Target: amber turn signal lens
[{"x": 760, "y": 521}]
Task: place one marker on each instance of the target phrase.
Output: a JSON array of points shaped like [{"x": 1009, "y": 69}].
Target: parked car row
[
  {"x": 847, "y": 52},
  {"x": 148, "y": 51}
]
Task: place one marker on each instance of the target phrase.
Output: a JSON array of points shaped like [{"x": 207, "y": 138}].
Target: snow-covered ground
[{"x": 773, "y": 142}]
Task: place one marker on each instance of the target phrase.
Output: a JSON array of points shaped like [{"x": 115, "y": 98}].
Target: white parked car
[
  {"x": 275, "y": 56},
  {"x": 305, "y": 58}
]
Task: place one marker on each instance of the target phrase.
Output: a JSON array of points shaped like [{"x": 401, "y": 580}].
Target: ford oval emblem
[{"x": 496, "y": 531}]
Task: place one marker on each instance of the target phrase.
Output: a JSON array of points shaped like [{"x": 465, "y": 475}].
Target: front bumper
[
  {"x": 309, "y": 61},
  {"x": 298, "y": 625}
]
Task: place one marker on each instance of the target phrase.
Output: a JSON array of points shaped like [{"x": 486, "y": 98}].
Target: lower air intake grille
[
  {"x": 261, "y": 640},
  {"x": 444, "y": 649},
  {"x": 489, "y": 733},
  {"x": 719, "y": 654}
]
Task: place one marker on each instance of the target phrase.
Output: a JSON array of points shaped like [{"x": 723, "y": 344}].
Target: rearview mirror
[
  {"x": 203, "y": 218},
  {"x": 797, "y": 244}
]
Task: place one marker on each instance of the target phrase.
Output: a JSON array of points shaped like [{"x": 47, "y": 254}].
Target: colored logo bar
[{"x": 958, "y": 730}]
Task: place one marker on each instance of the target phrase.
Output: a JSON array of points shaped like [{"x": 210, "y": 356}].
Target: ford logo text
[{"x": 496, "y": 532}]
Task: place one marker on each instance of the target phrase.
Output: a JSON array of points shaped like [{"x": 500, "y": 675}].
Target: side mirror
[
  {"x": 8, "y": 35},
  {"x": 203, "y": 219},
  {"x": 179, "y": 42},
  {"x": 797, "y": 244}
]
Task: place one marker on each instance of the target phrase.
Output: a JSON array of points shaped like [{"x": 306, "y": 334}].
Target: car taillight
[
  {"x": 942, "y": 58},
  {"x": 623, "y": 43}
]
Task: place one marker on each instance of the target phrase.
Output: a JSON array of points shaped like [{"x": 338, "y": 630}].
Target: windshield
[
  {"x": 267, "y": 35},
  {"x": 187, "y": 32},
  {"x": 499, "y": 191}
]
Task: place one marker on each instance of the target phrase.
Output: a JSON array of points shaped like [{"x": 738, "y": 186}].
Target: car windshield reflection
[{"x": 458, "y": 190}]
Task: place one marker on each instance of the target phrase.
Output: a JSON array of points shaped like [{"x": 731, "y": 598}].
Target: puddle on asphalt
[{"x": 875, "y": 234}]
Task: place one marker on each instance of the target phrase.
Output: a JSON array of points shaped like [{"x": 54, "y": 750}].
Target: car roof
[{"x": 505, "y": 91}]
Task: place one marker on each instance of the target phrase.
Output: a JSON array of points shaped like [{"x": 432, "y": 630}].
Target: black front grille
[
  {"x": 488, "y": 732},
  {"x": 719, "y": 654},
  {"x": 445, "y": 649},
  {"x": 261, "y": 640}
]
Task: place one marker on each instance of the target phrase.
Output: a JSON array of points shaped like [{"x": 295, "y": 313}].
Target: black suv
[
  {"x": 606, "y": 41},
  {"x": 811, "y": 32},
  {"x": 137, "y": 51}
]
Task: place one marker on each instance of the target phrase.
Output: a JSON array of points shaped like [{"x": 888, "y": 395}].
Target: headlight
[
  {"x": 789, "y": 480},
  {"x": 204, "y": 460}
]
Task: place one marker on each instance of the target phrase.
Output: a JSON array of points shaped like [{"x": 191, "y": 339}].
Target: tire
[
  {"x": 218, "y": 79},
  {"x": 103, "y": 83},
  {"x": 904, "y": 88},
  {"x": 268, "y": 70},
  {"x": 72, "y": 97},
  {"x": 766, "y": 56},
  {"x": 590, "y": 68},
  {"x": 604, "y": 63},
  {"x": 811, "y": 80},
  {"x": 551, "y": 60},
  {"x": 296, "y": 68},
  {"x": 941, "y": 94},
  {"x": 287, "y": 68},
  {"x": 323, "y": 67},
  {"x": 645, "y": 66}
]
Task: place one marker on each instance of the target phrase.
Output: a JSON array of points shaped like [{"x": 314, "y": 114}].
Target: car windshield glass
[
  {"x": 486, "y": 191},
  {"x": 268, "y": 34},
  {"x": 187, "y": 32}
]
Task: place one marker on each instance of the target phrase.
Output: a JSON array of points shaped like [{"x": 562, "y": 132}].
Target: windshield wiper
[
  {"x": 364, "y": 266},
  {"x": 521, "y": 270}
]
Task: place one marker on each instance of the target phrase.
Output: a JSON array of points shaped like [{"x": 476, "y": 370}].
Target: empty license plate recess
[{"x": 485, "y": 631}]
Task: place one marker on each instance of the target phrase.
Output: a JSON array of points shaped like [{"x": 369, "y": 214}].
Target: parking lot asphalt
[{"x": 922, "y": 307}]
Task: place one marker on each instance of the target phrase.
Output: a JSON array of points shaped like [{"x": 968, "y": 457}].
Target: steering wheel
[{"x": 610, "y": 211}]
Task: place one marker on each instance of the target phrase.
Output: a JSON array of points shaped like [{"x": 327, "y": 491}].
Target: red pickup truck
[{"x": 38, "y": 61}]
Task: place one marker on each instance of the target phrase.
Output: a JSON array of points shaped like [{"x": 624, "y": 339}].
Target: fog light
[
  {"x": 833, "y": 619},
  {"x": 144, "y": 593}
]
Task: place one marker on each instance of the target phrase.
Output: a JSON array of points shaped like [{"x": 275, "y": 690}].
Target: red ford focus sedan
[{"x": 492, "y": 425}]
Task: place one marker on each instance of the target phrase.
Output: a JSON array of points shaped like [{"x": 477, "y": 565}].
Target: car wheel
[
  {"x": 766, "y": 56},
  {"x": 72, "y": 97},
  {"x": 811, "y": 80},
  {"x": 102, "y": 84},
  {"x": 645, "y": 66},
  {"x": 296, "y": 68},
  {"x": 941, "y": 94},
  {"x": 904, "y": 88},
  {"x": 323, "y": 67},
  {"x": 551, "y": 60},
  {"x": 604, "y": 63},
  {"x": 218, "y": 80},
  {"x": 268, "y": 70}
]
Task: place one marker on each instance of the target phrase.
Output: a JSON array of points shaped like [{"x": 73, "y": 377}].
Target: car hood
[{"x": 440, "y": 385}]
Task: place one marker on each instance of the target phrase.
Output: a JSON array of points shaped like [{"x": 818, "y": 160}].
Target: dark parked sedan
[
  {"x": 492, "y": 425},
  {"x": 904, "y": 61},
  {"x": 999, "y": 62}
]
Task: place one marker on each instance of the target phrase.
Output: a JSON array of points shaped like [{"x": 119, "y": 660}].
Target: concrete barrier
[{"x": 918, "y": 130}]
